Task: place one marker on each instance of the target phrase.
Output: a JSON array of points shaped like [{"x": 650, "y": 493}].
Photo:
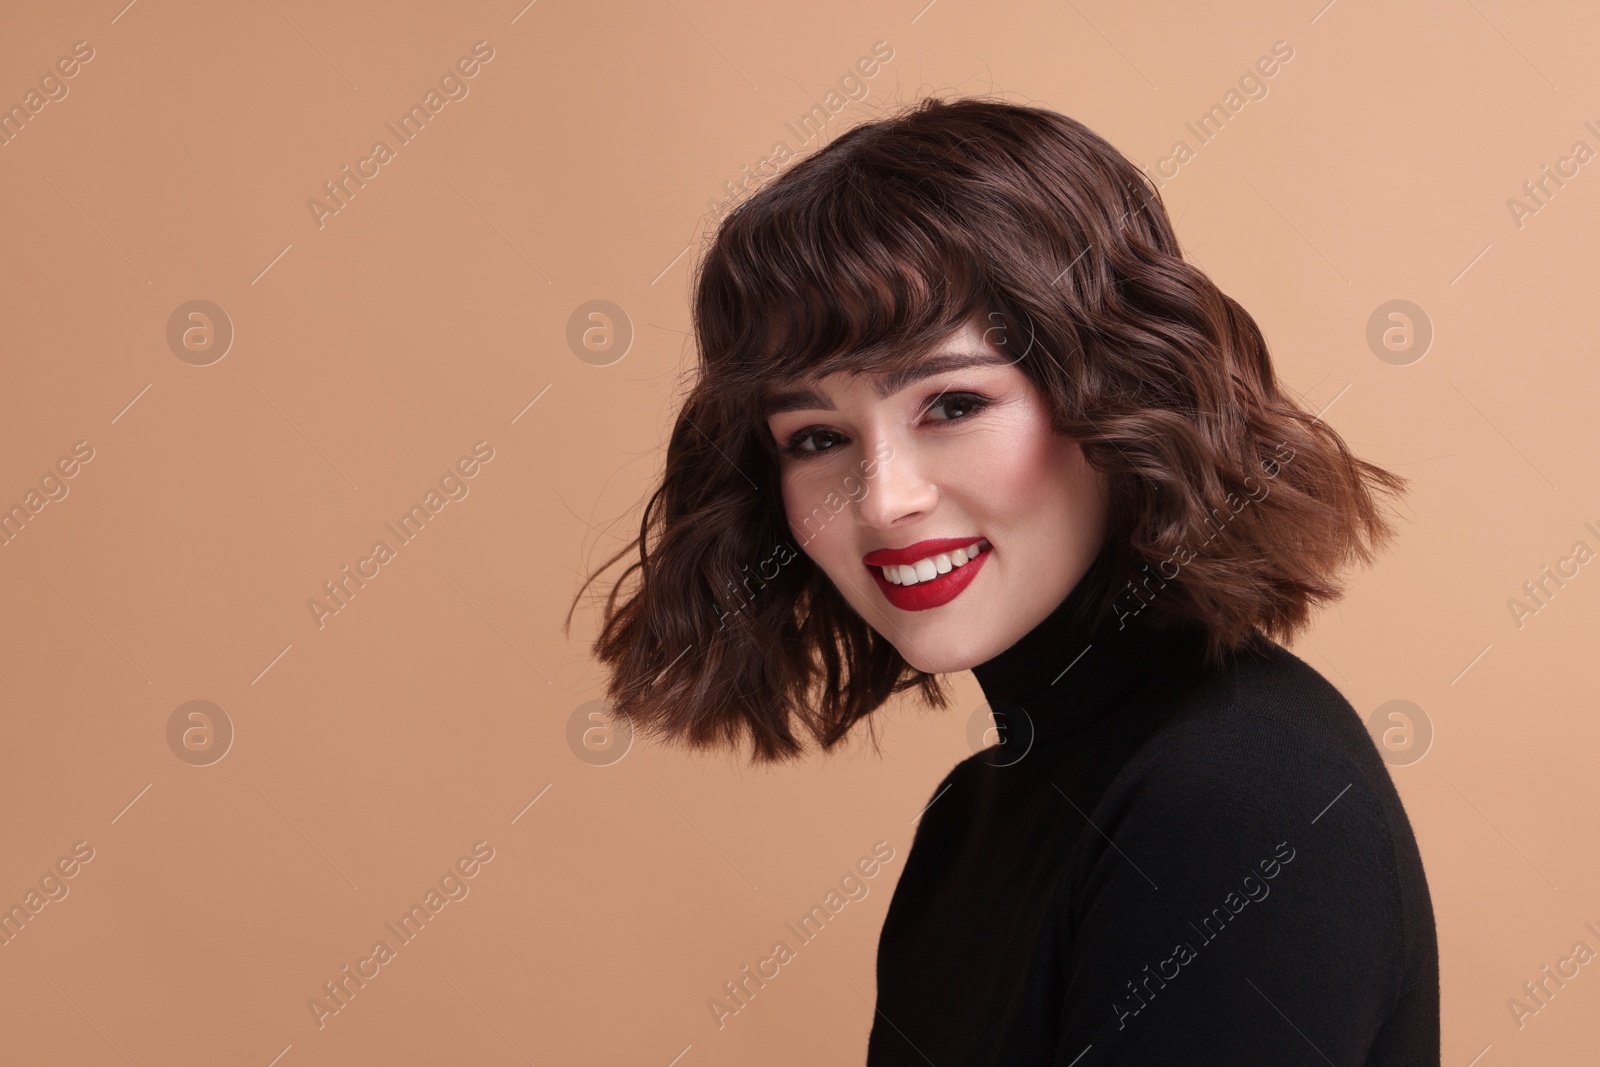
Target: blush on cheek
[
  {"x": 1024, "y": 464},
  {"x": 815, "y": 522}
]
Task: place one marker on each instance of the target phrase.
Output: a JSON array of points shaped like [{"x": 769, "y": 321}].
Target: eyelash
[{"x": 974, "y": 402}]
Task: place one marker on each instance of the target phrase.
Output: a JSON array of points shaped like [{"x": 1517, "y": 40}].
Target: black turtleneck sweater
[{"x": 1161, "y": 863}]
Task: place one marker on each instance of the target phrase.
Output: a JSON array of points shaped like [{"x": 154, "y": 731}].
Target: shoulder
[
  {"x": 1249, "y": 830},
  {"x": 1265, "y": 758},
  {"x": 1264, "y": 732}
]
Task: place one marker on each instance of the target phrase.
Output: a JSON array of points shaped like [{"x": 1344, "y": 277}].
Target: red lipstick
[{"x": 930, "y": 594}]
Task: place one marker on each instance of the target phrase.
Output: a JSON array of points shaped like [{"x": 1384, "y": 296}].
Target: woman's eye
[
  {"x": 797, "y": 443},
  {"x": 966, "y": 403}
]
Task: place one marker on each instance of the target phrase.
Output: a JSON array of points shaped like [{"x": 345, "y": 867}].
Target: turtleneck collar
[{"x": 1067, "y": 674}]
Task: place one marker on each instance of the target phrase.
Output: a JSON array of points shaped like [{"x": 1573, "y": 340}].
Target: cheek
[
  {"x": 812, "y": 514},
  {"x": 793, "y": 494},
  {"x": 1014, "y": 472},
  {"x": 1025, "y": 471},
  {"x": 820, "y": 519},
  {"x": 1036, "y": 487}
]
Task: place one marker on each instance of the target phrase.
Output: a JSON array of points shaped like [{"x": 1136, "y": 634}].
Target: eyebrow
[{"x": 885, "y": 385}]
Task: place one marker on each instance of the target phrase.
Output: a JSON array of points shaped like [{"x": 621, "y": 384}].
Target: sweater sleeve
[{"x": 1237, "y": 900}]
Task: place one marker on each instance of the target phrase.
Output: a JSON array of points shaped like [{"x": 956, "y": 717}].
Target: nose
[{"x": 903, "y": 488}]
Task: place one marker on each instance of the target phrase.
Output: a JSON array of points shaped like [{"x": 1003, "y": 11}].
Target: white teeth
[{"x": 927, "y": 569}]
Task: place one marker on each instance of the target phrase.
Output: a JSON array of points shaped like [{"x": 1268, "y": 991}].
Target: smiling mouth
[
  {"x": 933, "y": 580},
  {"x": 930, "y": 568}
]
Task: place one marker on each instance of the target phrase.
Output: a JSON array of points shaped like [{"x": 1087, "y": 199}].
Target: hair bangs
[{"x": 860, "y": 275}]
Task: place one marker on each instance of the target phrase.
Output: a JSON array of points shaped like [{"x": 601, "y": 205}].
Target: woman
[{"x": 962, "y": 404}]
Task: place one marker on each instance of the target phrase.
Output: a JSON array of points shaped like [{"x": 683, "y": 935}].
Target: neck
[{"x": 1070, "y": 669}]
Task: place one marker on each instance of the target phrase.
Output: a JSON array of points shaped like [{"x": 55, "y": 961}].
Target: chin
[{"x": 940, "y": 662}]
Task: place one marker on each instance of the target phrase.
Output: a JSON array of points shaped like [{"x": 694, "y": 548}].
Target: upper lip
[{"x": 884, "y": 557}]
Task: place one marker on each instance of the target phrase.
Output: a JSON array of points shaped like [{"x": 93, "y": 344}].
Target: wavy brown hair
[{"x": 862, "y": 256}]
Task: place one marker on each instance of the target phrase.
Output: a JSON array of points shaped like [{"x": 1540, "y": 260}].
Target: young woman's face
[{"x": 884, "y": 493}]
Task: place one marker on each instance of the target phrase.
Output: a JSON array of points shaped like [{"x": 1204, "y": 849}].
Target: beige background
[{"x": 428, "y": 314}]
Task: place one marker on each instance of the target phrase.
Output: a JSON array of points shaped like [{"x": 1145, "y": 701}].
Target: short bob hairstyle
[{"x": 861, "y": 257}]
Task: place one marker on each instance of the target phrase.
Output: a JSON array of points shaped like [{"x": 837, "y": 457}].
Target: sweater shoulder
[
  {"x": 1266, "y": 750},
  {"x": 1269, "y": 719},
  {"x": 1226, "y": 786}
]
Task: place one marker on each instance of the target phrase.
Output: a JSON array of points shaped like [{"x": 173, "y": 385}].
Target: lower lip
[{"x": 930, "y": 594}]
